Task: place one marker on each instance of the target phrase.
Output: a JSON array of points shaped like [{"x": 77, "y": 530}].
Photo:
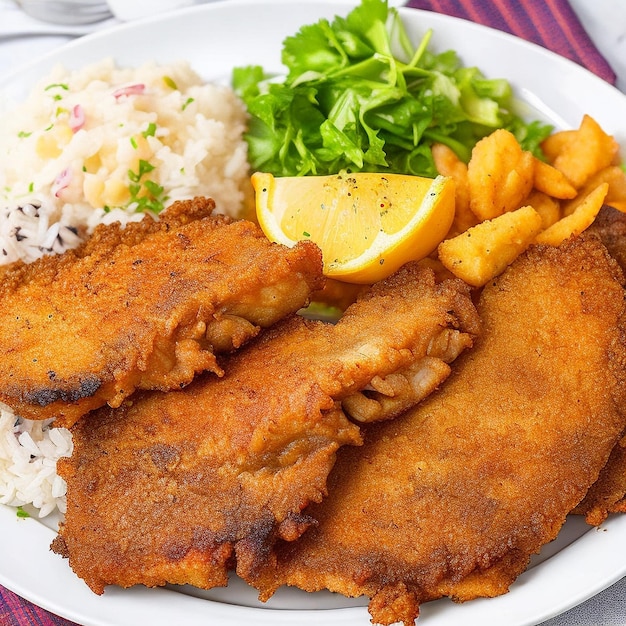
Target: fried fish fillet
[
  {"x": 178, "y": 487},
  {"x": 146, "y": 306},
  {"x": 608, "y": 493},
  {"x": 453, "y": 498}
]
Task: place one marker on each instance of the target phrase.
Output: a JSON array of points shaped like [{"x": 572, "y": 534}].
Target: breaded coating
[
  {"x": 142, "y": 307},
  {"x": 454, "y": 497},
  {"x": 610, "y": 227},
  {"x": 178, "y": 487},
  {"x": 608, "y": 494}
]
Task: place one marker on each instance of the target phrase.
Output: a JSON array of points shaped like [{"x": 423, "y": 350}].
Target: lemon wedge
[{"x": 366, "y": 224}]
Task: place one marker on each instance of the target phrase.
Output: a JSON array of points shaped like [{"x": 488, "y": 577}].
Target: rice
[
  {"x": 105, "y": 143},
  {"x": 29, "y": 451},
  {"x": 93, "y": 146}
]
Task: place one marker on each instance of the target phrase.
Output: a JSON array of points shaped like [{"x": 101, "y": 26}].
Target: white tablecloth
[{"x": 605, "y": 21}]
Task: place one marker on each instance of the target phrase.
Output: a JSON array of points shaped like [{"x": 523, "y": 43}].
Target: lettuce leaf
[{"x": 358, "y": 96}]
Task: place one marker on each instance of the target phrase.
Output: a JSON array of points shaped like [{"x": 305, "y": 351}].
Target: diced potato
[
  {"x": 93, "y": 188},
  {"x": 615, "y": 197},
  {"x": 500, "y": 175},
  {"x": 51, "y": 144},
  {"x": 464, "y": 218},
  {"x": 553, "y": 145},
  {"x": 586, "y": 152},
  {"x": 576, "y": 222},
  {"x": 616, "y": 177},
  {"x": 552, "y": 181},
  {"x": 92, "y": 163},
  {"x": 115, "y": 193},
  {"x": 558, "y": 200},
  {"x": 485, "y": 250},
  {"x": 546, "y": 206}
]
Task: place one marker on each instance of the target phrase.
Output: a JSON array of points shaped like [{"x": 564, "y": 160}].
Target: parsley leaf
[
  {"x": 145, "y": 194},
  {"x": 21, "y": 513}
]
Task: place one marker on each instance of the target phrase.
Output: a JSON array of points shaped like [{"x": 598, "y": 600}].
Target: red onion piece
[
  {"x": 61, "y": 182},
  {"x": 130, "y": 90},
  {"x": 77, "y": 118}
]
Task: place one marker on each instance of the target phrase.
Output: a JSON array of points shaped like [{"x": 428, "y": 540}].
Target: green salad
[{"x": 358, "y": 95}]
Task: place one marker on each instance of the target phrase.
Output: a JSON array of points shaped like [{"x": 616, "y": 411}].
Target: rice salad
[
  {"x": 106, "y": 143},
  {"x": 92, "y": 146}
]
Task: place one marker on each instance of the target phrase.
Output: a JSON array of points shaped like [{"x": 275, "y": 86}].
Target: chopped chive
[
  {"x": 55, "y": 85},
  {"x": 150, "y": 131}
]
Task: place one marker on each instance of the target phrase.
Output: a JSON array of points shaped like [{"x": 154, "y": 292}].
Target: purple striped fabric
[
  {"x": 549, "y": 23},
  {"x": 15, "y": 611}
]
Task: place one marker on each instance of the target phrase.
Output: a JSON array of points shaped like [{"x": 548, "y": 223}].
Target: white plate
[{"x": 216, "y": 37}]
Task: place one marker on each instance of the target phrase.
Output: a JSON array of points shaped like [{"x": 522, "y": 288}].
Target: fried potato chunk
[
  {"x": 615, "y": 177},
  {"x": 449, "y": 164},
  {"x": 578, "y": 221},
  {"x": 485, "y": 250},
  {"x": 554, "y": 143},
  {"x": 500, "y": 175},
  {"x": 585, "y": 152},
  {"x": 548, "y": 207},
  {"x": 566, "y": 191},
  {"x": 552, "y": 181}
]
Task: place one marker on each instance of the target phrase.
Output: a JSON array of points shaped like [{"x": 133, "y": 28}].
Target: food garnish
[
  {"x": 358, "y": 95},
  {"x": 21, "y": 513},
  {"x": 366, "y": 224}
]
